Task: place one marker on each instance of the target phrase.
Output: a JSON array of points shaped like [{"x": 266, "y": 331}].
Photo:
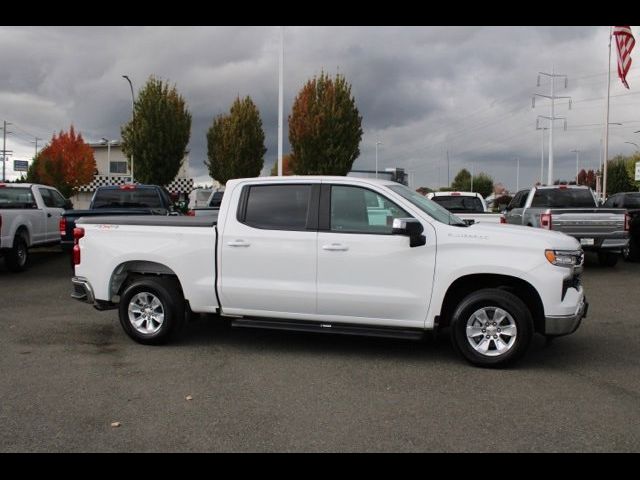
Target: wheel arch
[
  {"x": 467, "y": 284},
  {"x": 137, "y": 268}
]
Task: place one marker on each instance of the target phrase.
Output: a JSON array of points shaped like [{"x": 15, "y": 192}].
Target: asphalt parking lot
[{"x": 68, "y": 371}]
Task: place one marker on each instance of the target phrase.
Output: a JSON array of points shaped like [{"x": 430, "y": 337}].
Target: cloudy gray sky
[{"x": 421, "y": 90}]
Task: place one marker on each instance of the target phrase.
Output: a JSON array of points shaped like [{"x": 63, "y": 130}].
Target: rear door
[
  {"x": 366, "y": 274},
  {"x": 268, "y": 252}
]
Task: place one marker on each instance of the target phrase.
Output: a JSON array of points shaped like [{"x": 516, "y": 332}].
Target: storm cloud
[{"x": 422, "y": 91}]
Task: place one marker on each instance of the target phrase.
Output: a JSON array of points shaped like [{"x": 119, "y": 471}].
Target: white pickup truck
[
  {"x": 334, "y": 254},
  {"x": 468, "y": 206},
  {"x": 29, "y": 217}
]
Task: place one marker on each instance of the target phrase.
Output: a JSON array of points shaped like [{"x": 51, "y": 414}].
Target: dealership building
[{"x": 112, "y": 168}]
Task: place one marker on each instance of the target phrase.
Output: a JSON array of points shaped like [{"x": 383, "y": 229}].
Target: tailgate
[{"x": 593, "y": 223}]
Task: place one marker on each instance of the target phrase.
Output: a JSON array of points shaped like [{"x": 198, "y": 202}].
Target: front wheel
[
  {"x": 607, "y": 259},
  {"x": 152, "y": 310},
  {"x": 491, "y": 328},
  {"x": 17, "y": 258}
]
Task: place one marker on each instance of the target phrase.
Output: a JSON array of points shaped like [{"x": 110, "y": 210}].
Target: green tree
[
  {"x": 483, "y": 184},
  {"x": 235, "y": 143},
  {"x": 618, "y": 178},
  {"x": 462, "y": 181},
  {"x": 158, "y": 134},
  {"x": 325, "y": 127},
  {"x": 32, "y": 171}
]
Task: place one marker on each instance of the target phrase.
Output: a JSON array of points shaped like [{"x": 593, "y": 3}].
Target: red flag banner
[{"x": 625, "y": 43}]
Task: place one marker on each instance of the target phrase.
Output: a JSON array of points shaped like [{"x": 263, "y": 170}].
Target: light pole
[
  {"x": 577, "y": 152},
  {"x": 132, "y": 117},
  {"x": 377, "y": 143}
]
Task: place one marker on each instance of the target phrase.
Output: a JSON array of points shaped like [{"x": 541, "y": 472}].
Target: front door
[
  {"x": 53, "y": 208},
  {"x": 365, "y": 273},
  {"x": 268, "y": 251}
]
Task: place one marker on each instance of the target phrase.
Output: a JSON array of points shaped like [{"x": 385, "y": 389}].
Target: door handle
[
  {"x": 335, "y": 247},
  {"x": 238, "y": 243},
  {"x": 48, "y": 215}
]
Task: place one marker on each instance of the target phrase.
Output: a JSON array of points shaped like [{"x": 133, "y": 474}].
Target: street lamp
[
  {"x": 132, "y": 117},
  {"x": 377, "y": 143}
]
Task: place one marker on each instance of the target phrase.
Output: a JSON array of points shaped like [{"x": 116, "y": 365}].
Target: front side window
[
  {"x": 277, "y": 207},
  {"x": 57, "y": 199},
  {"x": 47, "y": 198},
  {"x": 429, "y": 207},
  {"x": 358, "y": 210}
]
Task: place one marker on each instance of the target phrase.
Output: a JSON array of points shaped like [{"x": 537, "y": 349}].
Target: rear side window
[
  {"x": 16, "y": 198},
  {"x": 460, "y": 204},
  {"x": 563, "y": 198},
  {"x": 277, "y": 207},
  {"x": 126, "y": 198}
]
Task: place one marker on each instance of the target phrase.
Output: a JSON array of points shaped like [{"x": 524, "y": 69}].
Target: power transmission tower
[{"x": 552, "y": 118}]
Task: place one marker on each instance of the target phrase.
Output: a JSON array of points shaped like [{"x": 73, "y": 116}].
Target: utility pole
[
  {"x": 448, "y": 177},
  {"x": 542, "y": 129},
  {"x": 517, "y": 174},
  {"x": 472, "y": 165},
  {"x": 377, "y": 143},
  {"x": 553, "y": 97},
  {"x": 577, "y": 152},
  {"x": 4, "y": 148},
  {"x": 36, "y": 142}
]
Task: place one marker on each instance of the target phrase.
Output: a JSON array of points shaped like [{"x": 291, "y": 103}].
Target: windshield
[
  {"x": 563, "y": 198},
  {"x": 459, "y": 204},
  {"x": 427, "y": 206}
]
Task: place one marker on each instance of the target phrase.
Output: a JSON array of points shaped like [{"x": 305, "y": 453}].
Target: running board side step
[{"x": 323, "y": 327}]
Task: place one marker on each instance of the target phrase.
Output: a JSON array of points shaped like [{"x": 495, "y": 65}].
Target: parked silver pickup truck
[{"x": 573, "y": 210}]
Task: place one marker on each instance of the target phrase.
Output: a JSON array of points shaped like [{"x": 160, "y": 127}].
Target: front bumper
[
  {"x": 82, "y": 290},
  {"x": 566, "y": 324}
]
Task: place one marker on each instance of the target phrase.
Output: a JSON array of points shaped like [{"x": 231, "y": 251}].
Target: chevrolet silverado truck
[
  {"x": 630, "y": 201},
  {"x": 573, "y": 210},
  {"x": 111, "y": 200},
  {"x": 29, "y": 216},
  {"x": 334, "y": 255},
  {"x": 469, "y": 206}
]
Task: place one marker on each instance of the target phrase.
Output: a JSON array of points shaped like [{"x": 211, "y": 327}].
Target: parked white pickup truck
[
  {"x": 334, "y": 254},
  {"x": 466, "y": 205},
  {"x": 29, "y": 217}
]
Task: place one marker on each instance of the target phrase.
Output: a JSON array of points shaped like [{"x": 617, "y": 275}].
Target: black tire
[
  {"x": 17, "y": 259},
  {"x": 169, "y": 295},
  {"x": 607, "y": 259},
  {"x": 490, "y": 299},
  {"x": 632, "y": 252}
]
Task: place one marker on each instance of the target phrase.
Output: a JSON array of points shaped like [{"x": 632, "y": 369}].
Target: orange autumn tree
[{"x": 66, "y": 163}]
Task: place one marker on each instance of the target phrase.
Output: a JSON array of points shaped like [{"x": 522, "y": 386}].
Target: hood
[{"x": 509, "y": 234}]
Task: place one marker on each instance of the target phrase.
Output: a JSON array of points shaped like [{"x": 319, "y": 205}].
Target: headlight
[{"x": 564, "y": 258}]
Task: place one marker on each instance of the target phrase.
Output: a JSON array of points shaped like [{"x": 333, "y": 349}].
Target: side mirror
[
  {"x": 411, "y": 228},
  {"x": 469, "y": 221},
  {"x": 68, "y": 204}
]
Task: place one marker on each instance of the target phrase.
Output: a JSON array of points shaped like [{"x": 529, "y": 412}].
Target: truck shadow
[
  {"x": 40, "y": 259},
  {"x": 438, "y": 349}
]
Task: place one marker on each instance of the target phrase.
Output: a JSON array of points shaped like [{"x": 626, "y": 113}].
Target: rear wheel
[
  {"x": 607, "y": 259},
  {"x": 491, "y": 328},
  {"x": 152, "y": 310},
  {"x": 18, "y": 257}
]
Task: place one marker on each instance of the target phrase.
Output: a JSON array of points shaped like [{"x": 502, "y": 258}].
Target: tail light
[
  {"x": 191, "y": 213},
  {"x": 546, "y": 221},
  {"x": 627, "y": 222},
  {"x": 78, "y": 233},
  {"x": 63, "y": 226},
  {"x": 503, "y": 219}
]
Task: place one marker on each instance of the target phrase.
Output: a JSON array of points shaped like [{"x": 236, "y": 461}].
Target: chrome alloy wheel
[
  {"x": 491, "y": 331},
  {"x": 21, "y": 251},
  {"x": 146, "y": 313}
]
